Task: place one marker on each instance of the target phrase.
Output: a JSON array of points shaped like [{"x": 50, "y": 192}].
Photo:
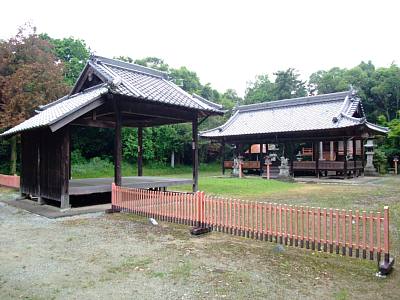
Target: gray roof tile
[
  {"x": 62, "y": 108},
  {"x": 119, "y": 78},
  {"x": 299, "y": 114},
  {"x": 149, "y": 84}
]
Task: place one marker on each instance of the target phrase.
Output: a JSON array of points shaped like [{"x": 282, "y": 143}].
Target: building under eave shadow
[
  {"x": 108, "y": 94},
  {"x": 321, "y": 134}
]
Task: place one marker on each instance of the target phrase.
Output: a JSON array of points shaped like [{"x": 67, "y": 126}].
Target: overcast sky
[{"x": 227, "y": 43}]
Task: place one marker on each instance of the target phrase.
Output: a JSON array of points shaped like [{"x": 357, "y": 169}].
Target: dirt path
[{"x": 123, "y": 257}]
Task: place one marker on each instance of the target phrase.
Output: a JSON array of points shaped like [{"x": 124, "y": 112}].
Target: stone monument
[
  {"x": 237, "y": 167},
  {"x": 369, "y": 169},
  {"x": 284, "y": 171}
]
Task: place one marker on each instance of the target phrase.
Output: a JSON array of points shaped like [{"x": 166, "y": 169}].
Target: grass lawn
[{"x": 96, "y": 168}]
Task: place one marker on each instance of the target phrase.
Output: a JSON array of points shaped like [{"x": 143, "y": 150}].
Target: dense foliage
[
  {"x": 36, "y": 69},
  {"x": 30, "y": 76}
]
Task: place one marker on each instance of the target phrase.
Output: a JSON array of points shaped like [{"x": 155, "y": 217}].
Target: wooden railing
[
  {"x": 326, "y": 165},
  {"x": 247, "y": 164},
  {"x": 9, "y": 181},
  {"x": 354, "y": 233}
]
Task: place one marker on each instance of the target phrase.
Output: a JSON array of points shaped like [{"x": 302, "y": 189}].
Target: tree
[
  {"x": 288, "y": 85},
  {"x": 153, "y": 62},
  {"x": 74, "y": 54},
  {"x": 209, "y": 93},
  {"x": 127, "y": 59},
  {"x": 261, "y": 90},
  {"x": 329, "y": 81},
  {"x": 186, "y": 79},
  {"x": 30, "y": 75},
  {"x": 386, "y": 90}
]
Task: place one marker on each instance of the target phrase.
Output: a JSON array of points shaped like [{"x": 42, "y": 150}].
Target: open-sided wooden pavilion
[
  {"x": 109, "y": 94},
  {"x": 319, "y": 134}
]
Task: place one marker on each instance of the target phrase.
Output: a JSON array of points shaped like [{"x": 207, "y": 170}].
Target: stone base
[
  {"x": 386, "y": 267},
  {"x": 284, "y": 172},
  {"x": 370, "y": 172},
  {"x": 200, "y": 230}
]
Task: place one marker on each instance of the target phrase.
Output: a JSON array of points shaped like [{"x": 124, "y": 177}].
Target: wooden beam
[
  {"x": 140, "y": 151},
  {"x": 195, "y": 155},
  {"x": 150, "y": 114},
  {"x": 76, "y": 114},
  {"x": 92, "y": 123},
  {"x": 117, "y": 145},
  {"x": 144, "y": 108}
]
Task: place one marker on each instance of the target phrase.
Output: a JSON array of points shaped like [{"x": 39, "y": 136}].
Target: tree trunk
[{"x": 13, "y": 158}]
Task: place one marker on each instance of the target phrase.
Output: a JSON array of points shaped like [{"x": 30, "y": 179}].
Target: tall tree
[
  {"x": 288, "y": 85},
  {"x": 30, "y": 75},
  {"x": 261, "y": 90},
  {"x": 153, "y": 62},
  {"x": 72, "y": 52}
]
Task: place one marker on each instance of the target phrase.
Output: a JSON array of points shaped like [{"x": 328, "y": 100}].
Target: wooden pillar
[
  {"x": 362, "y": 157},
  {"x": 261, "y": 158},
  {"x": 355, "y": 171},
  {"x": 331, "y": 150},
  {"x": 41, "y": 200},
  {"x": 345, "y": 158},
  {"x": 195, "y": 154},
  {"x": 65, "y": 160},
  {"x": 292, "y": 157},
  {"x": 70, "y": 162},
  {"x": 117, "y": 145},
  {"x": 317, "y": 148},
  {"x": 140, "y": 152},
  {"x": 321, "y": 150},
  {"x": 223, "y": 157}
]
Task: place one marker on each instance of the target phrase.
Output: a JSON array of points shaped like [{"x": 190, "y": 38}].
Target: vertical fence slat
[
  {"x": 324, "y": 236},
  {"x": 343, "y": 232},
  {"x": 378, "y": 235},
  {"x": 371, "y": 235},
  {"x": 285, "y": 223},
  {"x": 350, "y": 233}
]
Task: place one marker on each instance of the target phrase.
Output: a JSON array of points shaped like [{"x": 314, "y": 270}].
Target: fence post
[
  {"x": 200, "y": 209},
  {"x": 386, "y": 233}
]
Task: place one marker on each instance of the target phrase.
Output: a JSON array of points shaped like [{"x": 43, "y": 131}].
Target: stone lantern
[{"x": 369, "y": 169}]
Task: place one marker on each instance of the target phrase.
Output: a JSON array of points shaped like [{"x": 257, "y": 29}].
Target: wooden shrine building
[
  {"x": 109, "y": 94},
  {"x": 321, "y": 134}
]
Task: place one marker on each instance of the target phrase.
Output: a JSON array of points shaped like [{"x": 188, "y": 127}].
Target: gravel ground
[{"x": 122, "y": 256}]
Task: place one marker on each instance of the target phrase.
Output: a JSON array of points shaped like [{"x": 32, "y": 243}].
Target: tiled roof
[
  {"x": 320, "y": 112},
  {"x": 61, "y": 108},
  {"x": 148, "y": 84},
  {"x": 119, "y": 78}
]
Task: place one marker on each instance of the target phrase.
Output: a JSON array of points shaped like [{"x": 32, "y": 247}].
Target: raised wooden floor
[{"x": 103, "y": 185}]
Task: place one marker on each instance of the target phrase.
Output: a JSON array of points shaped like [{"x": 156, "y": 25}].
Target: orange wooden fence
[
  {"x": 354, "y": 233},
  {"x": 9, "y": 181}
]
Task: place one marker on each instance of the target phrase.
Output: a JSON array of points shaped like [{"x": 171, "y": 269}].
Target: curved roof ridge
[
  {"x": 67, "y": 97},
  {"x": 208, "y": 102},
  {"x": 295, "y": 101},
  {"x": 130, "y": 66}
]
